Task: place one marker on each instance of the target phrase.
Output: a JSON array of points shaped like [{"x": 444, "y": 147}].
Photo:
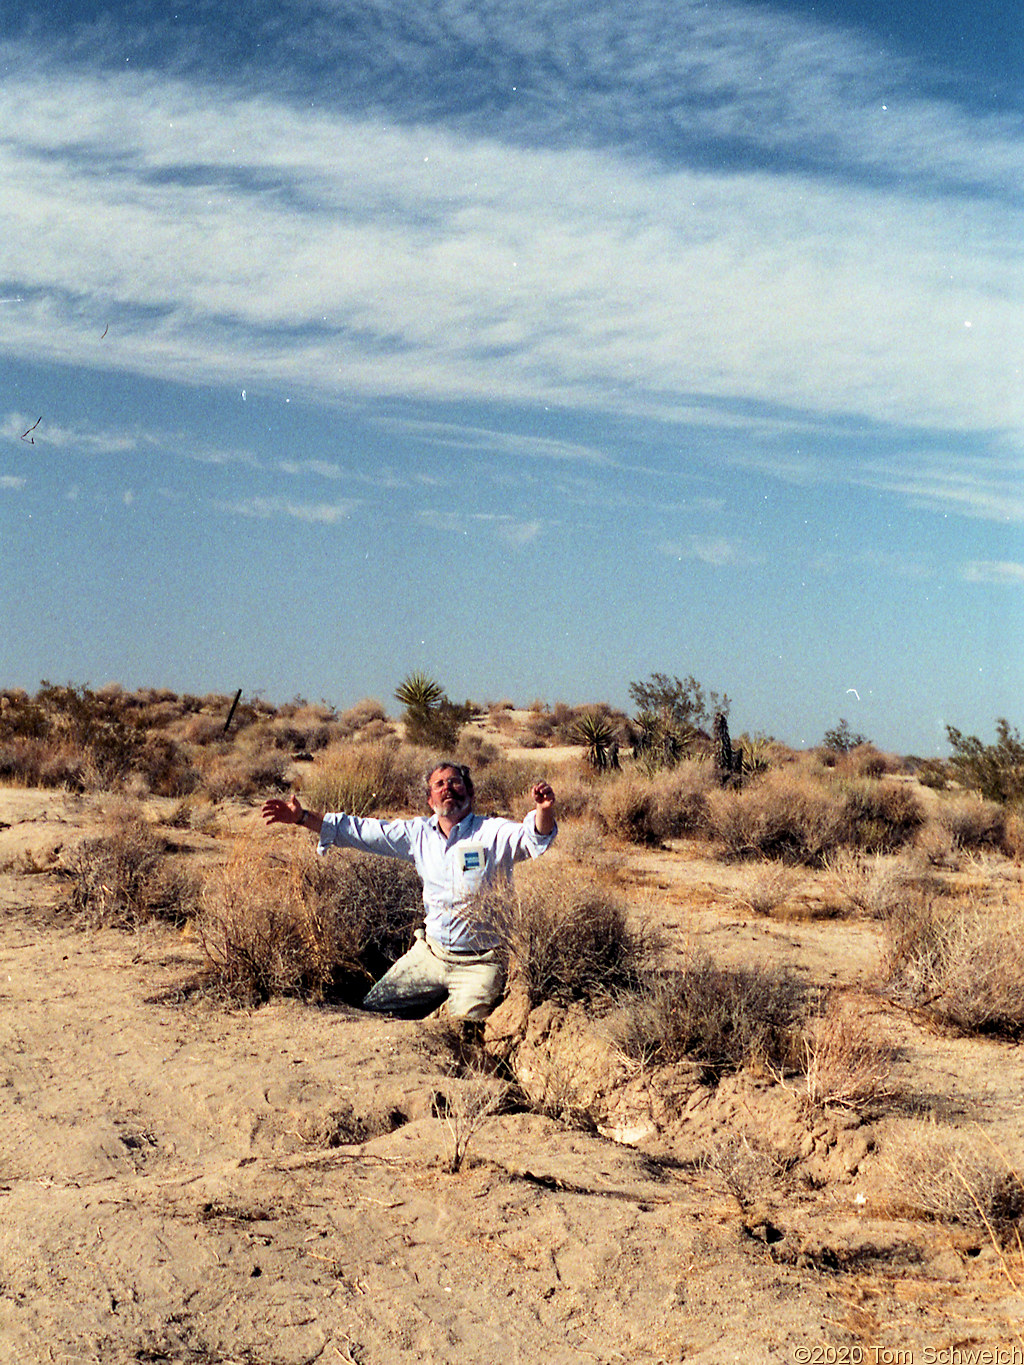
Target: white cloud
[
  {"x": 13, "y": 481},
  {"x": 343, "y": 256},
  {"x": 991, "y": 488},
  {"x": 720, "y": 552},
  {"x": 325, "y": 514},
  {"x": 508, "y": 529},
  {"x": 15, "y": 426},
  {"x": 410, "y": 260},
  {"x": 990, "y": 571}
]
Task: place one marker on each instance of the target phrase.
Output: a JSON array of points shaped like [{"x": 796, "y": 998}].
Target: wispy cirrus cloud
[
  {"x": 511, "y": 531},
  {"x": 987, "y": 487},
  {"x": 83, "y": 439},
  {"x": 1006, "y": 572},
  {"x": 719, "y": 552},
  {"x": 266, "y": 508},
  {"x": 347, "y": 255}
]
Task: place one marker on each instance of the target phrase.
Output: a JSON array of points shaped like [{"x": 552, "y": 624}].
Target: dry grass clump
[
  {"x": 569, "y": 938},
  {"x": 845, "y": 1061},
  {"x": 951, "y": 1176},
  {"x": 723, "y": 1018},
  {"x": 364, "y": 779},
  {"x": 279, "y": 920},
  {"x": 765, "y": 887},
  {"x": 124, "y": 878},
  {"x": 961, "y": 961}
]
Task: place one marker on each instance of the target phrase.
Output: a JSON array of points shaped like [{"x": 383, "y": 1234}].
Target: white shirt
[{"x": 480, "y": 851}]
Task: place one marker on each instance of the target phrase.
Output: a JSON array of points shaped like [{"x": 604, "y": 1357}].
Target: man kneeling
[{"x": 456, "y": 956}]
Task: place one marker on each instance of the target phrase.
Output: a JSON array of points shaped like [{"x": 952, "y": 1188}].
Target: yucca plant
[
  {"x": 660, "y": 741},
  {"x": 431, "y": 719},
  {"x": 419, "y": 693},
  {"x": 597, "y": 736}
]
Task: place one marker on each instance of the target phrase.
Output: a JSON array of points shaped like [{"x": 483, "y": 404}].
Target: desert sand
[{"x": 184, "y": 1180}]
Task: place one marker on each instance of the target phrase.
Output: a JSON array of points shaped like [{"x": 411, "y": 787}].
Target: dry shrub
[
  {"x": 569, "y": 938},
  {"x": 864, "y": 760},
  {"x": 870, "y": 884},
  {"x": 366, "y": 716},
  {"x": 882, "y": 816},
  {"x": 628, "y": 809},
  {"x": 1013, "y": 838},
  {"x": 504, "y": 787},
  {"x": 970, "y": 822},
  {"x": 963, "y": 962},
  {"x": 583, "y": 842},
  {"x": 124, "y": 878},
  {"x": 804, "y": 819},
  {"x": 845, "y": 1062},
  {"x": 362, "y": 779},
  {"x": 476, "y": 751},
  {"x": 280, "y": 920},
  {"x": 942, "y": 1173},
  {"x": 723, "y": 1018},
  {"x": 750, "y": 1170},
  {"x": 648, "y": 808},
  {"x": 466, "y": 1101},
  {"x": 237, "y": 774},
  {"x": 577, "y": 787},
  {"x": 780, "y": 815}
]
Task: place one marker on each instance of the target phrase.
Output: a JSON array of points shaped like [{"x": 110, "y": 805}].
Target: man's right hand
[{"x": 278, "y": 812}]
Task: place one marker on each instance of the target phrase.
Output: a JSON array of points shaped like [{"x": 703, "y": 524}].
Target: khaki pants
[{"x": 428, "y": 974}]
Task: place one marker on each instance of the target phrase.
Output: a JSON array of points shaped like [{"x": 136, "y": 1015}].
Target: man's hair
[{"x": 460, "y": 768}]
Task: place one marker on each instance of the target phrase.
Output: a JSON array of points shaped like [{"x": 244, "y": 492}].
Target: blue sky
[{"x": 539, "y": 347}]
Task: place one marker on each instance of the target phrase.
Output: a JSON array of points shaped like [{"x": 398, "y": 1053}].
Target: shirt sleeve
[
  {"x": 390, "y": 838},
  {"x": 528, "y": 843}
]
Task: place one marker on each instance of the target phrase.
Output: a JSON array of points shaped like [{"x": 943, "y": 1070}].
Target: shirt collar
[{"x": 456, "y": 829}]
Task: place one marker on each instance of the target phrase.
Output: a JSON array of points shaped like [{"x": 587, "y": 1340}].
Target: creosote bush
[
  {"x": 962, "y": 961},
  {"x": 933, "y": 1171},
  {"x": 279, "y": 920},
  {"x": 723, "y": 1018},
  {"x": 124, "y": 878},
  {"x": 569, "y": 938}
]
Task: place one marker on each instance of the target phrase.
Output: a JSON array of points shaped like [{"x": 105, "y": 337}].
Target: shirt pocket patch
[{"x": 472, "y": 864}]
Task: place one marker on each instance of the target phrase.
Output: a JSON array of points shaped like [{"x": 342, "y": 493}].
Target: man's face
[{"x": 448, "y": 795}]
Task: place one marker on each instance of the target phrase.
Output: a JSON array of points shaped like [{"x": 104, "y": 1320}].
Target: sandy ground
[{"x": 184, "y": 1181}]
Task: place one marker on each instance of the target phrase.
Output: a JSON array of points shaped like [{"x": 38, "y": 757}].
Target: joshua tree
[{"x": 728, "y": 760}]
